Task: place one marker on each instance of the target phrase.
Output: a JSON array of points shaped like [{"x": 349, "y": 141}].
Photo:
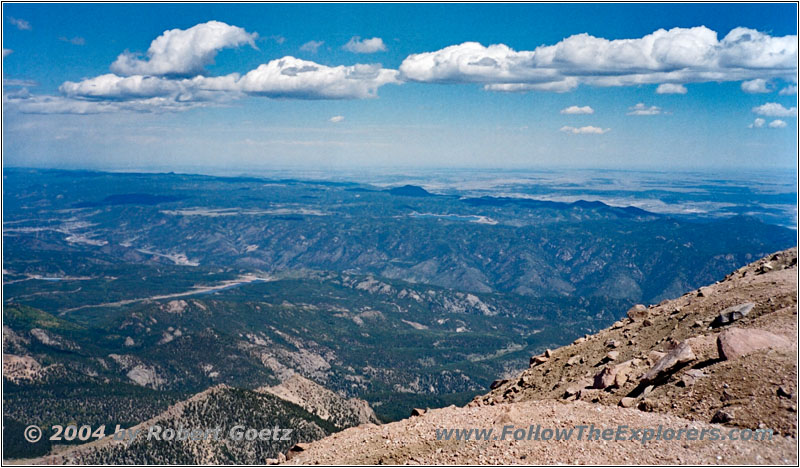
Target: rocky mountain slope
[
  {"x": 309, "y": 410},
  {"x": 723, "y": 357},
  {"x": 323, "y": 403}
]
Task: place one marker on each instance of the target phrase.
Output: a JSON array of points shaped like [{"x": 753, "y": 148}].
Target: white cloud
[
  {"x": 365, "y": 46},
  {"x": 74, "y": 41},
  {"x": 758, "y": 85},
  {"x": 312, "y": 46},
  {"x": 587, "y": 130},
  {"x": 577, "y": 110},
  {"x": 45, "y": 104},
  {"x": 20, "y": 23},
  {"x": 676, "y": 56},
  {"x": 183, "y": 52},
  {"x": 789, "y": 90},
  {"x": 278, "y": 39},
  {"x": 777, "y": 123},
  {"x": 336, "y": 119},
  {"x": 641, "y": 109},
  {"x": 757, "y": 123},
  {"x": 773, "y": 109},
  {"x": 287, "y": 77},
  {"x": 564, "y": 86},
  {"x": 22, "y": 83},
  {"x": 671, "y": 88},
  {"x": 6, "y": 52},
  {"x": 291, "y": 77}
]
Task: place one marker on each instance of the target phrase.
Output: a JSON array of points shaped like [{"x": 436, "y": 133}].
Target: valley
[{"x": 126, "y": 303}]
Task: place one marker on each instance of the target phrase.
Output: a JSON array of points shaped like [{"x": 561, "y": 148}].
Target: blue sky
[{"x": 419, "y": 85}]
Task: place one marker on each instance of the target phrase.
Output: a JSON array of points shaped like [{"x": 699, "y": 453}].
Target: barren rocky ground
[{"x": 724, "y": 356}]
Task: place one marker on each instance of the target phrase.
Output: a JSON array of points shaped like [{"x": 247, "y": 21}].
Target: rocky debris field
[
  {"x": 413, "y": 440},
  {"x": 724, "y": 353},
  {"x": 722, "y": 356}
]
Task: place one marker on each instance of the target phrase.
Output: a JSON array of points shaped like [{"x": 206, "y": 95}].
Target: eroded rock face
[
  {"x": 680, "y": 355},
  {"x": 737, "y": 342}
]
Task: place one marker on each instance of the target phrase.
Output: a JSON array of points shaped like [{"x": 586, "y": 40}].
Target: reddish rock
[{"x": 737, "y": 342}]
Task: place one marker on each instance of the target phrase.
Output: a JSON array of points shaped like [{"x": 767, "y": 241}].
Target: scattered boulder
[
  {"x": 627, "y": 402},
  {"x": 297, "y": 448},
  {"x": 576, "y": 359},
  {"x": 613, "y": 344},
  {"x": 737, "y": 342},
  {"x": 784, "y": 392},
  {"x": 579, "y": 340},
  {"x": 572, "y": 391},
  {"x": 637, "y": 312},
  {"x": 418, "y": 411},
  {"x": 732, "y": 314},
  {"x": 498, "y": 383},
  {"x": 704, "y": 291},
  {"x": 677, "y": 357},
  {"x": 604, "y": 378},
  {"x": 765, "y": 268},
  {"x": 548, "y": 354},
  {"x": 722, "y": 416},
  {"x": 536, "y": 360},
  {"x": 612, "y": 355},
  {"x": 608, "y": 376}
]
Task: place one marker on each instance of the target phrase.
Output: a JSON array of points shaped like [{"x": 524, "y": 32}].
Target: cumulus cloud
[
  {"x": 312, "y": 46},
  {"x": 336, "y": 119},
  {"x": 171, "y": 78},
  {"x": 587, "y": 130},
  {"x": 577, "y": 110},
  {"x": 20, "y": 23},
  {"x": 789, "y": 90},
  {"x": 641, "y": 109},
  {"x": 757, "y": 123},
  {"x": 365, "y": 46},
  {"x": 6, "y": 52},
  {"x": 777, "y": 123},
  {"x": 757, "y": 85},
  {"x": 183, "y": 52},
  {"x": 671, "y": 88},
  {"x": 291, "y": 77},
  {"x": 670, "y": 57},
  {"x": 287, "y": 77},
  {"x": 773, "y": 109}
]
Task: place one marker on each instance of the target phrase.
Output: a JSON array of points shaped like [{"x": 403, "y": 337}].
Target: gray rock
[
  {"x": 732, "y": 314},
  {"x": 668, "y": 364},
  {"x": 637, "y": 312}
]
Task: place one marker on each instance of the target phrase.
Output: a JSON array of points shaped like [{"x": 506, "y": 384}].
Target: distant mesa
[{"x": 410, "y": 191}]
